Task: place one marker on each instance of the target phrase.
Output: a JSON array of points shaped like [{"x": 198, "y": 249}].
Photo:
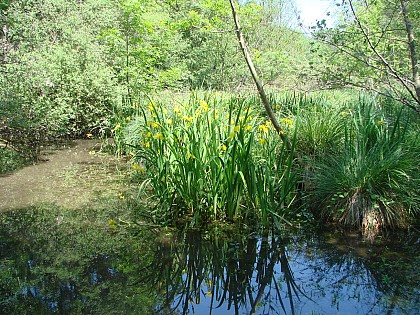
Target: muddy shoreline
[{"x": 71, "y": 176}]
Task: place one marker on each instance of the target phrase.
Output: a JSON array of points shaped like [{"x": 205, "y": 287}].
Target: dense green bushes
[
  {"x": 55, "y": 82},
  {"x": 10, "y": 160},
  {"x": 68, "y": 66}
]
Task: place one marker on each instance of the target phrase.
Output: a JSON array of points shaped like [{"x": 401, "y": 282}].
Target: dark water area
[{"x": 54, "y": 262}]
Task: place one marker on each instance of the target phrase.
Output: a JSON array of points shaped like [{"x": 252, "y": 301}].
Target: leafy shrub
[
  {"x": 20, "y": 133},
  {"x": 10, "y": 160},
  {"x": 56, "y": 69}
]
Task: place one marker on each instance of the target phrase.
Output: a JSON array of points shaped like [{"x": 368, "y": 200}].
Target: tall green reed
[
  {"x": 373, "y": 182},
  {"x": 320, "y": 117},
  {"x": 214, "y": 159}
]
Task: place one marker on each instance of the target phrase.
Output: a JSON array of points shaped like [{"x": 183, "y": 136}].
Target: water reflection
[
  {"x": 69, "y": 267},
  {"x": 240, "y": 276},
  {"x": 275, "y": 275}
]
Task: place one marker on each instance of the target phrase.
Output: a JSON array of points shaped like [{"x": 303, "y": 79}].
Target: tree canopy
[{"x": 373, "y": 46}]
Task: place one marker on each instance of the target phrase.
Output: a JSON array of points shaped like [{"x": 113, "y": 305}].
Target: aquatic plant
[
  {"x": 373, "y": 182},
  {"x": 214, "y": 159},
  {"x": 320, "y": 116}
]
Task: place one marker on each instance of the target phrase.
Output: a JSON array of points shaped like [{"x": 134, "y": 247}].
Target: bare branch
[
  {"x": 398, "y": 96},
  {"x": 379, "y": 55},
  {"x": 350, "y": 52},
  {"x": 413, "y": 51}
]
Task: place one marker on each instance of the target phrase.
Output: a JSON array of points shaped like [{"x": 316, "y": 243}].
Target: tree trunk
[
  {"x": 256, "y": 79},
  {"x": 413, "y": 51}
]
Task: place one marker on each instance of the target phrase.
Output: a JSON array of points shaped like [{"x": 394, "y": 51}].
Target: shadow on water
[{"x": 57, "y": 262}]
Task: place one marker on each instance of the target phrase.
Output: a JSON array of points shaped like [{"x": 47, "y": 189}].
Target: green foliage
[
  {"x": 211, "y": 53},
  {"x": 213, "y": 159},
  {"x": 320, "y": 118},
  {"x": 376, "y": 175},
  {"x": 145, "y": 48},
  {"x": 20, "y": 133},
  {"x": 55, "y": 68},
  {"x": 368, "y": 49},
  {"x": 72, "y": 68},
  {"x": 68, "y": 66},
  {"x": 10, "y": 160}
]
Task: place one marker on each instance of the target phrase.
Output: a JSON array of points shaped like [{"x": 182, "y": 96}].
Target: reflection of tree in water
[
  {"x": 50, "y": 267},
  {"x": 275, "y": 275},
  {"x": 378, "y": 279},
  {"x": 240, "y": 274}
]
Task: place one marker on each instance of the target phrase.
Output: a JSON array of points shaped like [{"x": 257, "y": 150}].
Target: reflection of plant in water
[
  {"x": 53, "y": 260},
  {"x": 238, "y": 273},
  {"x": 395, "y": 276},
  {"x": 89, "y": 262},
  {"x": 379, "y": 278}
]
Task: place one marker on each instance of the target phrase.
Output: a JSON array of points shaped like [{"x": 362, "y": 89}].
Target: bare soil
[{"x": 73, "y": 176}]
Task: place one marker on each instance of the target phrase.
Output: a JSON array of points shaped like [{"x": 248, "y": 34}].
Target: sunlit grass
[
  {"x": 217, "y": 158},
  {"x": 214, "y": 159},
  {"x": 373, "y": 181}
]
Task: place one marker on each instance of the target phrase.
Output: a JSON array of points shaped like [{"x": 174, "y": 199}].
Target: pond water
[
  {"x": 72, "y": 242},
  {"x": 70, "y": 175},
  {"x": 83, "y": 262}
]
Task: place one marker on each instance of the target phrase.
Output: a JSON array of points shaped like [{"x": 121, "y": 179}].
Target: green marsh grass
[
  {"x": 214, "y": 158},
  {"x": 320, "y": 119},
  {"x": 373, "y": 182},
  {"x": 357, "y": 158}
]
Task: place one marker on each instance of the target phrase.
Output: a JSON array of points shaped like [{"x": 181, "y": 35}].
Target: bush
[
  {"x": 56, "y": 72},
  {"x": 20, "y": 133},
  {"x": 10, "y": 160}
]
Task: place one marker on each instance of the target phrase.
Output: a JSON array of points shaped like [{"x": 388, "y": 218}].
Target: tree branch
[
  {"x": 397, "y": 97},
  {"x": 350, "y": 52},
  {"x": 381, "y": 58},
  {"x": 256, "y": 79},
  {"x": 413, "y": 51}
]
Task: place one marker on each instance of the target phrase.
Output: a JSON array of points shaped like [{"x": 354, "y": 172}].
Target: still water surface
[{"x": 52, "y": 264}]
